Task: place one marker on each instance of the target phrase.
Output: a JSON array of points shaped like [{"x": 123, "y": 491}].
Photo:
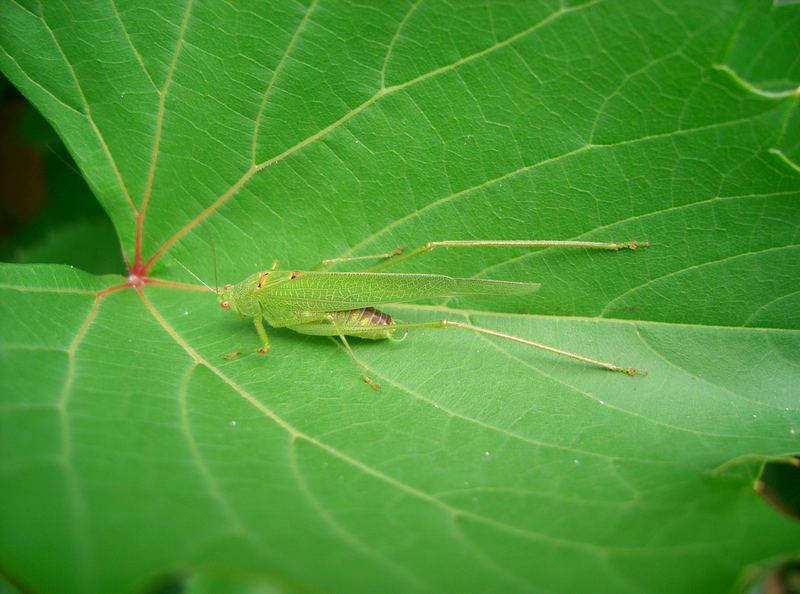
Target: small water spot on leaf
[
  {"x": 576, "y": 461},
  {"x": 232, "y": 423},
  {"x": 602, "y": 401},
  {"x": 487, "y": 454}
]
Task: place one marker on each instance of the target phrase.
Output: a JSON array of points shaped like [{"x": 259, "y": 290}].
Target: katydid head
[
  {"x": 227, "y": 300},
  {"x": 243, "y": 299}
]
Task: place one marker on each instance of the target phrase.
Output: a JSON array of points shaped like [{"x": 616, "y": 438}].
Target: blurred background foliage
[{"x": 48, "y": 213}]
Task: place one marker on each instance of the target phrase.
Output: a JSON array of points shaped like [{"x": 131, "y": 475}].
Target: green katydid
[{"x": 341, "y": 304}]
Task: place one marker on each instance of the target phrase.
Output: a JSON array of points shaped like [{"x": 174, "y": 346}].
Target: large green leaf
[{"x": 131, "y": 450}]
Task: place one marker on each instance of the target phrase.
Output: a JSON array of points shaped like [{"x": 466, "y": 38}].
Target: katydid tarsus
[{"x": 342, "y": 304}]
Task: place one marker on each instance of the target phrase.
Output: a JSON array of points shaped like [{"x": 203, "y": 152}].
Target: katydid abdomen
[{"x": 365, "y": 322}]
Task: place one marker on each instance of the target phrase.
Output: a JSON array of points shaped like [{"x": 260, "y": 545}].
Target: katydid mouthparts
[{"x": 341, "y": 304}]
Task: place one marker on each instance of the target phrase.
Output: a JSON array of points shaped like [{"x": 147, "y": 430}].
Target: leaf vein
[
  {"x": 611, "y": 406},
  {"x": 129, "y": 41},
  {"x": 494, "y": 428},
  {"x": 151, "y": 170},
  {"x": 637, "y": 217},
  {"x": 88, "y": 114},
  {"x": 693, "y": 267},
  {"x": 275, "y": 73},
  {"x": 341, "y": 531},
  {"x": 86, "y": 560}
]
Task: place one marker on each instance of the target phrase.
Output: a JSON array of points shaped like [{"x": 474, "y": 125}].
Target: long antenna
[
  {"x": 71, "y": 166},
  {"x": 194, "y": 275},
  {"x": 214, "y": 255}
]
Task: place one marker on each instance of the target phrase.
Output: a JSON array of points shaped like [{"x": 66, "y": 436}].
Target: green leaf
[{"x": 131, "y": 450}]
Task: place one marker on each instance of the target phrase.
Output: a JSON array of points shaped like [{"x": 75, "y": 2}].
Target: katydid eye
[{"x": 224, "y": 304}]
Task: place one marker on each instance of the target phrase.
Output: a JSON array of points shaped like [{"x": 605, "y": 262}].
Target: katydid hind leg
[
  {"x": 530, "y": 243},
  {"x": 328, "y": 262},
  {"x": 539, "y": 345}
]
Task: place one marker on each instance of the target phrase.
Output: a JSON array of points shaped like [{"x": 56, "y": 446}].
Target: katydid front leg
[{"x": 262, "y": 334}]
